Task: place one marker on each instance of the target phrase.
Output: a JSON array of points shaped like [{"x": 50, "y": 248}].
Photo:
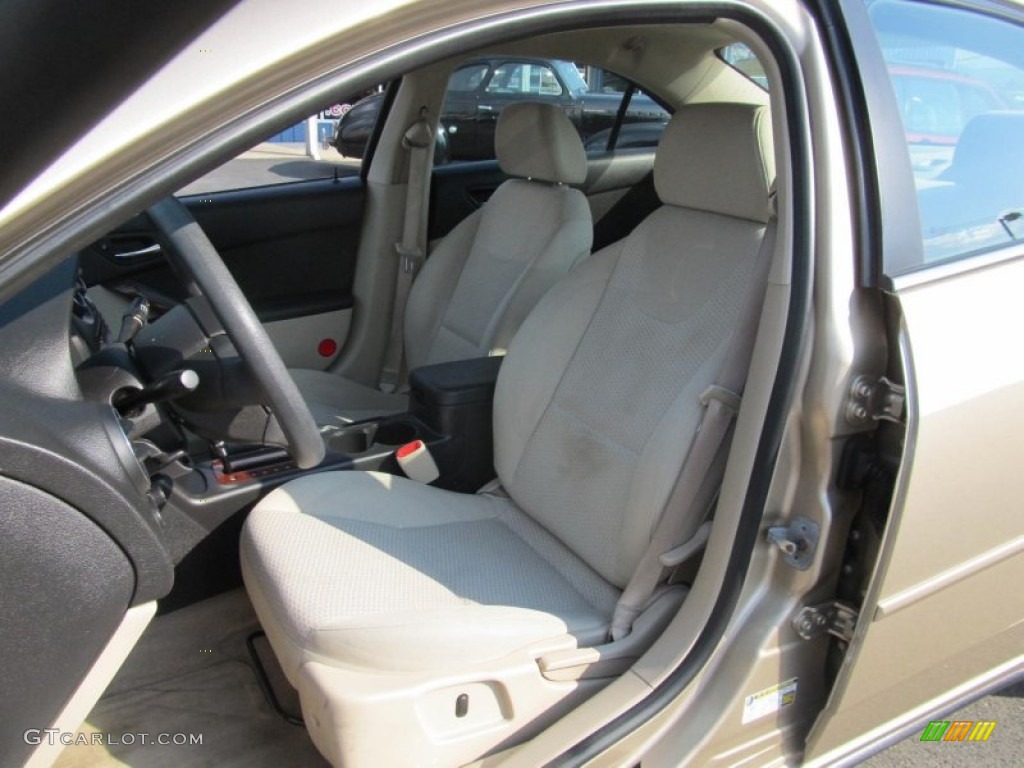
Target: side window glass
[
  {"x": 741, "y": 58},
  {"x": 591, "y": 97},
  {"x": 958, "y": 78},
  {"x": 327, "y": 145},
  {"x": 516, "y": 77},
  {"x": 467, "y": 79},
  {"x": 643, "y": 121}
]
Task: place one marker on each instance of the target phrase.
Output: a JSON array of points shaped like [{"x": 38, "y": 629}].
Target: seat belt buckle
[
  {"x": 415, "y": 460},
  {"x": 411, "y": 258}
]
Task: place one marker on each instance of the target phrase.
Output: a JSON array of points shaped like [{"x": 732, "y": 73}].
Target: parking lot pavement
[
  {"x": 273, "y": 163},
  {"x": 1005, "y": 747}
]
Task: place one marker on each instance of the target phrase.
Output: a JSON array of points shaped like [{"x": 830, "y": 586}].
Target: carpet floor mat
[{"x": 190, "y": 679}]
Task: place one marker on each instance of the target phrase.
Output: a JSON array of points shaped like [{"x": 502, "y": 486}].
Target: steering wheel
[{"x": 193, "y": 255}]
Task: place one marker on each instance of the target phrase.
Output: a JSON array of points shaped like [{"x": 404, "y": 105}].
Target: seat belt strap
[
  {"x": 416, "y": 142},
  {"x": 694, "y": 488}
]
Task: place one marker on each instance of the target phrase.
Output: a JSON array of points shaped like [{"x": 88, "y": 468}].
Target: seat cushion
[
  {"x": 333, "y": 399},
  {"x": 375, "y": 571}
]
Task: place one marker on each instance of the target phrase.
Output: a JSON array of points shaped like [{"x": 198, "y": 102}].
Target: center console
[
  {"x": 450, "y": 411},
  {"x": 454, "y": 401}
]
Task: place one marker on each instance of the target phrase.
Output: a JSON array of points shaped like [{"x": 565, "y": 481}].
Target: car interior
[
  {"x": 485, "y": 275},
  {"x": 564, "y": 335}
]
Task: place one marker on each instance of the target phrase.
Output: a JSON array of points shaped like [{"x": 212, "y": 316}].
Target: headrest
[
  {"x": 537, "y": 141},
  {"x": 718, "y": 158},
  {"x": 988, "y": 153}
]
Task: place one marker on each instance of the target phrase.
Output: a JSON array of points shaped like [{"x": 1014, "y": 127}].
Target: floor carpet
[{"x": 191, "y": 674}]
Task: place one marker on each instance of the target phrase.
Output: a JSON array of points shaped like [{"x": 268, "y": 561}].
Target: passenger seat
[{"x": 483, "y": 279}]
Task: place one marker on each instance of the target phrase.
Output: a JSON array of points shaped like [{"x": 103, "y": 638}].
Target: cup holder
[
  {"x": 358, "y": 439},
  {"x": 350, "y": 441},
  {"x": 394, "y": 433}
]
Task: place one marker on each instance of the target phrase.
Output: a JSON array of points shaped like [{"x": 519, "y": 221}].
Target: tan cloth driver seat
[
  {"x": 418, "y": 623},
  {"x": 487, "y": 274}
]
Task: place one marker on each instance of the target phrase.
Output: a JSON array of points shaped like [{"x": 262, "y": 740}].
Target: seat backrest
[
  {"x": 597, "y": 402},
  {"x": 487, "y": 274}
]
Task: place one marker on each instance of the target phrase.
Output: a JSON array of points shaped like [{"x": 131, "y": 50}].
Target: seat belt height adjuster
[{"x": 411, "y": 259}]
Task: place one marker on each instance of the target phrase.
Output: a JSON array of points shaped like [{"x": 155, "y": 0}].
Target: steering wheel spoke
[{"x": 194, "y": 256}]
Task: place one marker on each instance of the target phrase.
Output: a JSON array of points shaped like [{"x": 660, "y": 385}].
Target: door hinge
[
  {"x": 798, "y": 541},
  {"x": 835, "y": 618},
  {"x": 874, "y": 399}
]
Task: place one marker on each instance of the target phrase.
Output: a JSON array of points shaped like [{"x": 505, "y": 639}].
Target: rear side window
[
  {"x": 467, "y": 79},
  {"x": 958, "y": 79},
  {"x": 524, "y": 78},
  {"x": 607, "y": 110},
  {"x": 642, "y": 120},
  {"x": 741, "y": 58}
]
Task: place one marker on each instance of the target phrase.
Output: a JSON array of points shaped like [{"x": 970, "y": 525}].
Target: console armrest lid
[{"x": 459, "y": 383}]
